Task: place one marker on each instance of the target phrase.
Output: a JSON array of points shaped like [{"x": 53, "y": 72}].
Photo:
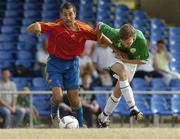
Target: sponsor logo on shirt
[{"x": 133, "y": 50}]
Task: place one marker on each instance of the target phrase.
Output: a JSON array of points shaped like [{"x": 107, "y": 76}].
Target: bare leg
[{"x": 74, "y": 100}]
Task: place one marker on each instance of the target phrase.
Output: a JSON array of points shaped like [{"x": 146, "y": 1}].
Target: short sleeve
[
  {"x": 145, "y": 51},
  {"x": 45, "y": 27},
  {"x": 109, "y": 32},
  {"x": 90, "y": 32}
]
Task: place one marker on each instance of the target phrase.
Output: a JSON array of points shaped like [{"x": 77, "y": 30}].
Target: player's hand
[
  {"x": 99, "y": 33},
  {"x": 34, "y": 28},
  {"x": 13, "y": 109}
]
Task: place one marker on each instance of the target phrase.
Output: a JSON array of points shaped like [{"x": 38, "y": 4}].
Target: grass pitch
[{"x": 112, "y": 133}]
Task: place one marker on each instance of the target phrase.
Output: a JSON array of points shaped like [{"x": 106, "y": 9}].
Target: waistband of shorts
[{"x": 61, "y": 59}]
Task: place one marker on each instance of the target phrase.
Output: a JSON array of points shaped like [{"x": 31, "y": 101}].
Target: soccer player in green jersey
[{"x": 131, "y": 49}]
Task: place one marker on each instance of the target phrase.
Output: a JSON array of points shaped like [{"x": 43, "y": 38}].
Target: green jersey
[{"x": 137, "y": 51}]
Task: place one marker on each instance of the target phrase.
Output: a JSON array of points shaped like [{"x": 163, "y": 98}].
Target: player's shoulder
[
  {"x": 83, "y": 25},
  {"x": 139, "y": 34},
  {"x": 55, "y": 23}
]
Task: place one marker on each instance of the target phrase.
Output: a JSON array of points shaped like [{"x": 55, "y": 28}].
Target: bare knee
[
  {"x": 75, "y": 102},
  {"x": 120, "y": 70},
  {"x": 74, "y": 99},
  {"x": 57, "y": 95}
]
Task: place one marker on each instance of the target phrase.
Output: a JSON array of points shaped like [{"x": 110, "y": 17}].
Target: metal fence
[{"x": 31, "y": 93}]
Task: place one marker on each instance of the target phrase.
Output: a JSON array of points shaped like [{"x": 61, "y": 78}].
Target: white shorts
[{"x": 130, "y": 68}]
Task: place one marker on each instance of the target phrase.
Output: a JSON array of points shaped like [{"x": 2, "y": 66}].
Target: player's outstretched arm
[
  {"x": 134, "y": 61},
  {"x": 34, "y": 28},
  {"x": 101, "y": 37}
]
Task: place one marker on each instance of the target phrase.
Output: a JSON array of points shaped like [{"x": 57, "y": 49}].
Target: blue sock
[
  {"x": 54, "y": 108},
  {"x": 79, "y": 115}
]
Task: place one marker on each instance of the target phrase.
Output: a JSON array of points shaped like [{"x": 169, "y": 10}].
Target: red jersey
[{"x": 64, "y": 43}]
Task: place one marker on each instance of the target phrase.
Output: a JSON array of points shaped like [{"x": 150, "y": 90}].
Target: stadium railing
[{"x": 31, "y": 93}]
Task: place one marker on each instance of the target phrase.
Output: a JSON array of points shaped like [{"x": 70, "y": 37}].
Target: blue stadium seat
[
  {"x": 122, "y": 108},
  {"x": 5, "y": 55},
  {"x": 13, "y": 13},
  {"x": 160, "y": 105},
  {"x": 140, "y": 97},
  {"x": 26, "y": 47},
  {"x": 39, "y": 83},
  {"x": 175, "y": 83},
  {"x": 32, "y": 6},
  {"x": 122, "y": 16},
  {"x": 14, "y": 6},
  {"x": 139, "y": 84},
  {"x": 52, "y": 1},
  {"x": 119, "y": 22},
  {"x": 50, "y": 6},
  {"x": 50, "y": 14},
  {"x": 14, "y": 1},
  {"x": 26, "y": 63},
  {"x": 175, "y": 104},
  {"x": 42, "y": 103},
  {"x": 156, "y": 23},
  {"x": 28, "y": 21},
  {"x": 174, "y": 31},
  {"x": 12, "y": 21},
  {"x": 121, "y": 8},
  {"x": 102, "y": 88},
  {"x": 24, "y": 55},
  {"x": 140, "y": 15},
  {"x": 23, "y": 29},
  {"x": 7, "y": 46},
  {"x": 32, "y": 14},
  {"x": 104, "y": 2},
  {"x": 31, "y": 1},
  {"x": 144, "y": 107},
  {"x": 7, "y": 38},
  {"x": 175, "y": 66},
  {"x": 174, "y": 44},
  {"x": 159, "y": 84},
  {"x": 101, "y": 100},
  {"x": 86, "y": 6},
  {"x": 103, "y": 17},
  {"x": 9, "y": 30},
  {"x": 21, "y": 82},
  {"x": 139, "y": 24},
  {"x": 86, "y": 2},
  {"x": 7, "y": 64},
  {"x": 28, "y": 38}
]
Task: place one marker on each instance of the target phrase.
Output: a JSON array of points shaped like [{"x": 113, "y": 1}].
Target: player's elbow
[
  {"x": 30, "y": 28},
  {"x": 143, "y": 61},
  {"x": 34, "y": 28}
]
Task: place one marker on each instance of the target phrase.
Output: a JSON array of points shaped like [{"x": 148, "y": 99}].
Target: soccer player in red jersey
[{"x": 67, "y": 37}]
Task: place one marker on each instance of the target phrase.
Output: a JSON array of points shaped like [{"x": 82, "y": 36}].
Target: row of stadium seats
[
  {"x": 157, "y": 84},
  {"x": 163, "y": 105},
  {"x": 156, "y": 104}
]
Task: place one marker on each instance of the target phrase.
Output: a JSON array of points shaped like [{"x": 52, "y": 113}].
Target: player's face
[
  {"x": 69, "y": 16},
  {"x": 127, "y": 43}
]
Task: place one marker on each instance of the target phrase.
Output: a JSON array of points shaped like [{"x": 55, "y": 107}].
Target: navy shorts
[{"x": 63, "y": 73}]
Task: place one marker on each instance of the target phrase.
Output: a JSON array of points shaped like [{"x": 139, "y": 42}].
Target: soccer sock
[
  {"x": 54, "y": 108},
  {"x": 111, "y": 104},
  {"x": 79, "y": 115},
  {"x": 127, "y": 94}
]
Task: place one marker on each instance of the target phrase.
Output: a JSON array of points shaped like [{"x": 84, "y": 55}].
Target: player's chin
[{"x": 68, "y": 24}]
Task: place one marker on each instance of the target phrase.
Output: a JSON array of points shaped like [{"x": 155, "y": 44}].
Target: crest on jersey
[{"x": 133, "y": 50}]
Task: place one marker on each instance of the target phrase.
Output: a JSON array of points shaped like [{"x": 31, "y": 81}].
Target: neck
[
  {"x": 73, "y": 27},
  {"x": 5, "y": 80}
]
